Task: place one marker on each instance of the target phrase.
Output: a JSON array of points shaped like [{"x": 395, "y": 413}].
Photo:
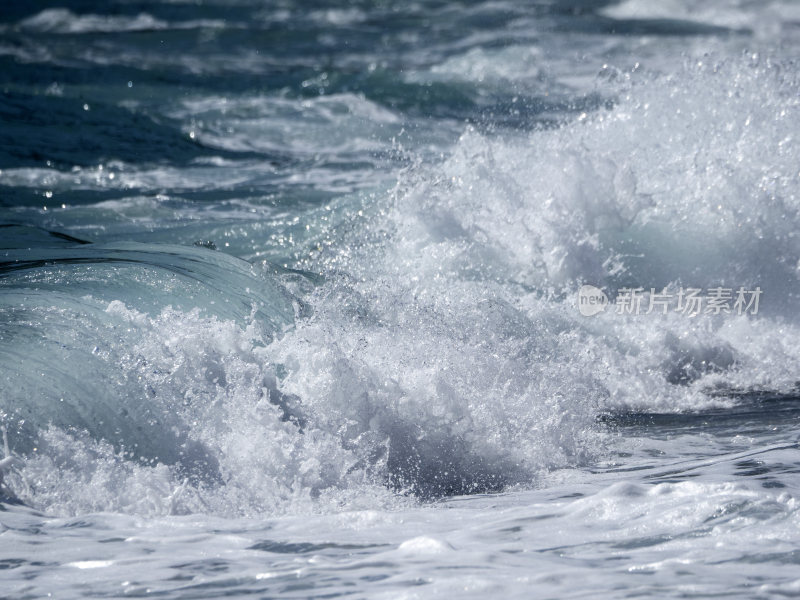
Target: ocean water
[{"x": 293, "y": 299}]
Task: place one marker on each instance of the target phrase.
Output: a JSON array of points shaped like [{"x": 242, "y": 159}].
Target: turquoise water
[{"x": 289, "y": 299}]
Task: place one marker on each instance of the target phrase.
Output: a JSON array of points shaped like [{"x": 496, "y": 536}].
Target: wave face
[
  {"x": 136, "y": 365},
  {"x": 395, "y": 284}
]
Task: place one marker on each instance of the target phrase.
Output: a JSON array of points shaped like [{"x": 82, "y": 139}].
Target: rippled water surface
[{"x": 289, "y": 299}]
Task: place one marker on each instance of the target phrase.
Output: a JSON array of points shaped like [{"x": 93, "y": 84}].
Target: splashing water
[{"x": 273, "y": 324}]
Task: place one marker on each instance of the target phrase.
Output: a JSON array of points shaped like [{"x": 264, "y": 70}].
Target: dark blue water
[{"x": 291, "y": 299}]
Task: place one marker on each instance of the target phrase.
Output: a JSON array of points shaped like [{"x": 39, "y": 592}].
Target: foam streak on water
[{"x": 288, "y": 299}]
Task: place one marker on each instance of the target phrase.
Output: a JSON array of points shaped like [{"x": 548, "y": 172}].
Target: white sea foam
[
  {"x": 62, "y": 20},
  {"x": 336, "y": 124},
  {"x": 766, "y": 20}
]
